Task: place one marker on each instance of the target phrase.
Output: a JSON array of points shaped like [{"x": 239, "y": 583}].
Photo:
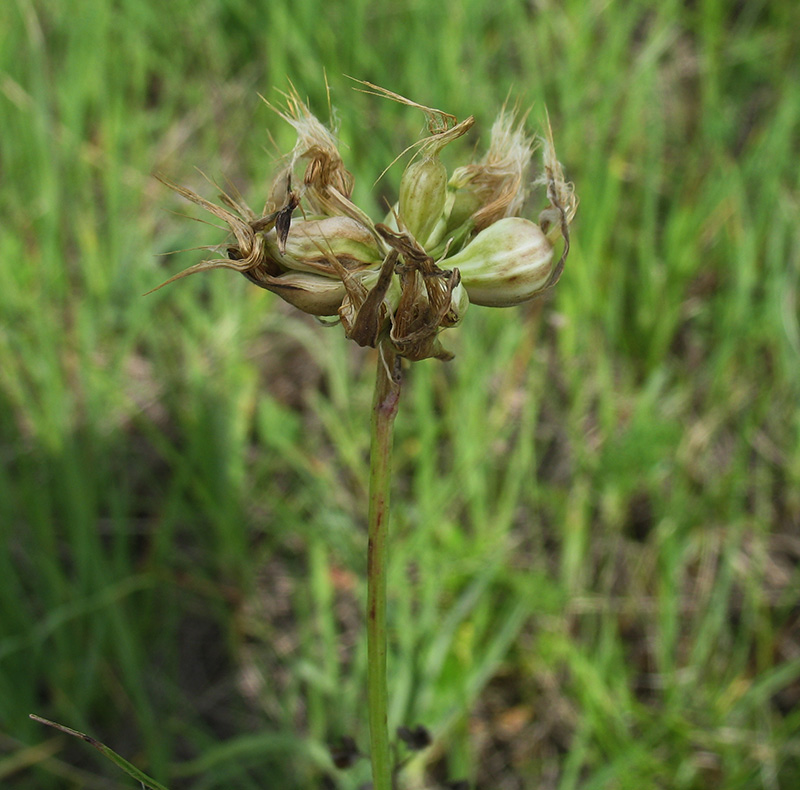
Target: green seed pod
[
  {"x": 311, "y": 244},
  {"x": 463, "y": 204},
  {"x": 507, "y": 263},
  {"x": 423, "y": 189}
]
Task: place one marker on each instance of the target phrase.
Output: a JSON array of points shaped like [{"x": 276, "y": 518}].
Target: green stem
[{"x": 384, "y": 410}]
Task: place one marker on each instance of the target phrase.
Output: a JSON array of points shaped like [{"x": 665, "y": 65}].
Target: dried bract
[
  {"x": 326, "y": 180},
  {"x": 495, "y": 187}
]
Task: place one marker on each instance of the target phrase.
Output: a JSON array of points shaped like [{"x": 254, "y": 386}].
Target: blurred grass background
[{"x": 596, "y": 537}]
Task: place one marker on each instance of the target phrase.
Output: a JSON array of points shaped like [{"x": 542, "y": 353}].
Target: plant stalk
[{"x": 384, "y": 410}]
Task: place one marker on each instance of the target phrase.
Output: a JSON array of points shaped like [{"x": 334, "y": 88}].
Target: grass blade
[{"x": 110, "y": 754}]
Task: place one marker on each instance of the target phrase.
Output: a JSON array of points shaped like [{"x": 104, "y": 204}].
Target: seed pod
[
  {"x": 312, "y": 243},
  {"x": 507, "y": 263},
  {"x": 310, "y": 293},
  {"x": 463, "y": 204},
  {"x": 423, "y": 189}
]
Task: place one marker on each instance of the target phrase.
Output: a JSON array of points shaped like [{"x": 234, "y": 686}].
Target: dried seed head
[
  {"x": 326, "y": 181},
  {"x": 371, "y": 299},
  {"x": 249, "y": 250},
  {"x": 429, "y": 300},
  {"x": 261, "y": 262},
  {"x": 557, "y": 217},
  {"x": 560, "y": 193},
  {"x": 415, "y": 324},
  {"x": 494, "y": 187},
  {"x": 326, "y": 184},
  {"x": 389, "y": 282}
]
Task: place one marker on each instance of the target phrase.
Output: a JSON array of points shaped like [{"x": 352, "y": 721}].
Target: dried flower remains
[{"x": 451, "y": 239}]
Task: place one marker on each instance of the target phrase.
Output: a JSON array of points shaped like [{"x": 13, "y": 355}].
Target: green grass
[{"x": 596, "y": 530}]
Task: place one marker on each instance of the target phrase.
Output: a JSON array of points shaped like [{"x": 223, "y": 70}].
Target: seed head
[{"x": 449, "y": 241}]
